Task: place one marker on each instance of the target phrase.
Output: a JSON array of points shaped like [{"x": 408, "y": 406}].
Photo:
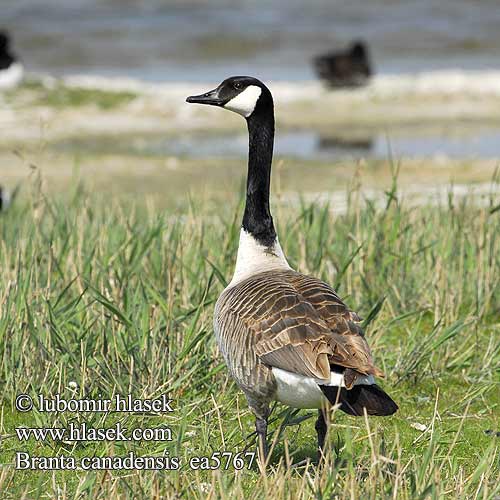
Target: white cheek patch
[{"x": 244, "y": 103}]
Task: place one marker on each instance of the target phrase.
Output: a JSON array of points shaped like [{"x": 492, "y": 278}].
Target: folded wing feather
[{"x": 302, "y": 326}]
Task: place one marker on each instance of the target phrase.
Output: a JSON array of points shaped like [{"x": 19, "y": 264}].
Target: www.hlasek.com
[{"x": 83, "y": 432}]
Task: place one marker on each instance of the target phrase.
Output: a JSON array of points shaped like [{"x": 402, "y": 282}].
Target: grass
[{"x": 100, "y": 296}]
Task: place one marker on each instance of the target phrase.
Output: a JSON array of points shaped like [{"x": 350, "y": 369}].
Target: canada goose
[
  {"x": 284, "y": 336},
  {"x": 11, "y": 69},
  {"x": 350, "y": 68}
]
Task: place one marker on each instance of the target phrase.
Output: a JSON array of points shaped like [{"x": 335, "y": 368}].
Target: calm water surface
[
  {"x": 469, "y": 144},
  {"x": 200, "y": 40}
]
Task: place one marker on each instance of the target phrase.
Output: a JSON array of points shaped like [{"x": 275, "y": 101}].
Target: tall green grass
[{"x": 117, "y": 297}]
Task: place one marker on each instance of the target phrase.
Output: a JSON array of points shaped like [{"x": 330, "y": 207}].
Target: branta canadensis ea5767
[
  {"x": 350, "y": 68},
  {"x": 284, "y": 336},
  {"x": 11, "y": 69}
]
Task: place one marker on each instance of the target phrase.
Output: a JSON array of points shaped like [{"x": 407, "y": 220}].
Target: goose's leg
[
  {"x": 261, "y": 428},
  {"x": 321, "y": 430},
  {"x": 261, "y": 411}
]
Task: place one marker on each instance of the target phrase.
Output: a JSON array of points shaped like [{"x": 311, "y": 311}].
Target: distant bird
[
  {"x": 351, "y": 68},
  {"x": 11, "y": 69},
  {"x": 5, "y": 199},
  {"x": 285, "y": 336}
]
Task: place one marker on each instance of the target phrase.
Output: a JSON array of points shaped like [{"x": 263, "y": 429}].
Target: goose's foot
[{"x": 321, "y": 430}]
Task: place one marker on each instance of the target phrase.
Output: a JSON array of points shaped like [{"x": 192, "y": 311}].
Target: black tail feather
[{"x": 360, "y": 397}]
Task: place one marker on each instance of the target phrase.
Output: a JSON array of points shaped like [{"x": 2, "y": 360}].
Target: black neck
[{"x": 257, "y": 218}]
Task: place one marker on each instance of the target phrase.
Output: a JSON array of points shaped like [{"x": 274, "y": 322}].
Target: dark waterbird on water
[
  {"x": 285, "y": 336},
  {"x": 11, "y": 69},
  {"x": 350, "y": 68}
]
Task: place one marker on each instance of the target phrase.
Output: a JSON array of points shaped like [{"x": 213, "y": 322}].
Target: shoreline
[
  {"x": 446, "y": 82},
  {"x": 55, "y": 109},
  {"x": 116, "y": 129}
]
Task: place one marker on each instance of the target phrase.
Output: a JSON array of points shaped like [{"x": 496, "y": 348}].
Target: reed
[{"x": 100, "y": 296}]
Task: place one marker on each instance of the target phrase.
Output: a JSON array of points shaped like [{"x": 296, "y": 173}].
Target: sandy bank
[{"x": 47, "y": 109}]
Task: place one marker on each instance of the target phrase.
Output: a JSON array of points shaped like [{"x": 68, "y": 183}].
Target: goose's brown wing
[
  {"x": 326, "y": 302},
  {"x": 299, "y": 324}
]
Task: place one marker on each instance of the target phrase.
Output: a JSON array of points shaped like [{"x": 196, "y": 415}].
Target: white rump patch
[
  {"x": 255, "y": 258},
  {"x": 244, "y": 103},
  {"x": 11, "y": 76},
  {"x": 299, "y": 391}
]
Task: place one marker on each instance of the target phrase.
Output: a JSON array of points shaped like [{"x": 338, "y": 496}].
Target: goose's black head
[
  {"x": 4, "y": 41},
  {"x": 244, "y": 95},
  {"x": 358, "y": 49}
]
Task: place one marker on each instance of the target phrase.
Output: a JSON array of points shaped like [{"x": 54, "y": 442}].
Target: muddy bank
[{"x": 47, "y": 109}]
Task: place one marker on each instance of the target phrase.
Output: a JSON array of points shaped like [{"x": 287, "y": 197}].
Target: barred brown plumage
[{"x": 295, "y": 322}]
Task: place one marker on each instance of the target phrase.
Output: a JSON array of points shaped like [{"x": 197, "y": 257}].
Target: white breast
[
  {"x": 255, "y": 258},
  {"x": 11, "y": 76},
  {"x": 299, "y": 391}
]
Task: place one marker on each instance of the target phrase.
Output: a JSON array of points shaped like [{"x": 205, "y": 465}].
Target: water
[
  {"x": 196, "y": 40},
  {"x": 308, "y": 144},
  {"x": 468, "y": 144}
]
